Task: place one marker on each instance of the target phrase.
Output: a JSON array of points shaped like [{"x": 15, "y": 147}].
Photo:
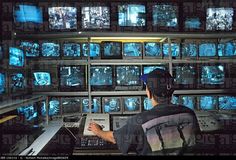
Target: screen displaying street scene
[
  {"x": 41, "y": 79},
  {"x": 16, "y": 57},
  {"x": 128, "y": 75},
  {"x": 30, "y": 49},
  {"x": 50, "y": 49},
  {"x": 208, "y": 102},
  {"x": 72, "y": 50},
  {"x": 152, "y": 49},
  {"x": 227, "y": 102},
  {"x": 132, "y": 49},
  {"x": 213, "y": 74}
]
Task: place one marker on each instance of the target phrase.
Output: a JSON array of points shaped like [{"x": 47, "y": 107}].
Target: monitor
[
  {"x": 16, "y": 57},
  {"x": 41, "y": 79},
  {"x": 219, "y": 19},
  {"x": 227, "y": 102},
  {"x": 95, "y": 17},
  {"x": 101, "y": 77},
  {"x": 131, "y": 15},
  {"x": 54, "y": 107},
  {"x": 31, "y": 49},
  {"x": 152, "y": 50},
  {"x": 93, "y": 49},
  {"x": 71, "y": 105},
  {"x": 149, "y": 68},
  {"x": 208, "y": 102},
  {"x": 50, "y": 49},
  {"x": 1, "y": 53},
  {"x": 112, "y": 105},
  {"x": 29, "y": 112},
  {"x": 175, "y": 50},
  {"x": 189, "y": 50},
  {"x": 175, "y": 99},
  {"x": 147, "y": 104},
  {"x": 111, "y": 50},
  {"x": 72, "y": 78},
  {"x": 193, "y": 23},
  {"x": 62, "y": 18},
  {"x": 132, "y": 50},
  {"x": 17, "y": 82},
  {"x": 128, "y": 77},
  {"x": 227, "y": 49},
  {"x": 2, "y": 83},
  {"x": 132, "y": 105},
  {"x": 188, "y": 101},
  {"x": 207, "y": 50},
  {"x": 165, "y": 15},
  {"x": 43, "y": 108},
  {"x": 95, "y": 105},
  {"x": 71, "y": 50},
  {"x": 213, "y": 75}
]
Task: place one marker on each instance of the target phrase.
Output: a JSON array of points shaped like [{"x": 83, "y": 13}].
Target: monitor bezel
[
  {"x": 132, "y": 57},
  {"x": 103, "y": 56},
  {"x": 139, "y": 105},
  {"x": 100, "y": 104},
  {"x": 121, "y": 105},
  {"x": 145, "y": 56}
]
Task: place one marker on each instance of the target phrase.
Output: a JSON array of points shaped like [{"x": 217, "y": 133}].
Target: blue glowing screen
[
  {"x": 131, "y": 104},
  {"x": 227, "y": 102},
  {"x": 207, "y": 49},
  {"x": 175, "y": 49},
  {"x": 17, "y": 81},
  {"x": 50, "y": 50},
  {"x": 101, "y": 75},
  {"x": 42, "y": 79},
  {"x": 132, "y": 49},
  {"x": 29, "y": 112},
  {"x": 95, "y": 105},
  {"x": 188, "y": 101},
  {"x": 184, "y": 74},
  {"x": 152, "y": 49},
  {"x": 94, "y": 49},
  {"x": 112, "y": 49},
  {"x": 71, "y": 50},
  {"x": 128, "y": 75},
  {"x": 31, "y": 49},
  {"x": 189, "y": 50},
  {"x": 148, "y": 69},
  {"x": 213, "y": 74},
  {"x": 2, "y": 83},
  {"x": 147, "y": 104},
  {"x": 16, "y": 57},
  {"x": 111, "y": 104},
  {"x": 54, "y": 107},
  {"x": 192, "y": 23},
  {"x": 208, "y": 102}
]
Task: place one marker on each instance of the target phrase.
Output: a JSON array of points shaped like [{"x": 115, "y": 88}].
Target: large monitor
[
  {"x": 131, "y": 15},
  {"x": 227, "y": 102},
  {"x": 101, "y": 77},
  {"x": 17, "y": 82},
  {"x": 175, "y": 50},
  {"x": 93, "y": 49},
  {"x": 95, "y": 105},
  {"x": 192, "y": 23},
  {"x": 132, "y": 50},
  {"x": 188, "y": 101},
  {"x": 207, "y": 50},
  {"x": 189, "y": 50},
  {"x": 111, "y": 50},
  {"x": 128, "y": 77},
  {"x": 132, "y": 105},
  {"x": 71, "y": 50},
  {"x": 62, "y": 18},
  {"x": 219, "y": 19},
  {"x": 152, "y": 50},
  {"x": 147, "y": 104},
  {"x": 227, "y": 50},
  {"x": 2, "y": 83},
  {"x": 149, "y": 68},
  {"x": 72, "y": 78},
  {"x": 112, "y": 105},
  {"x": 208, "y": 102},
  {"x": 31, "y": 49},
  {"x": 50, "y": 49},
  {"x": 95, "y": 17},
  {"x": 16, "y": 57},
  {"x": 71, "y": 105}
]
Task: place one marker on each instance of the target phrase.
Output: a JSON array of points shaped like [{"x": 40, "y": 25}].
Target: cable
[{"x": 71, "y": 133}]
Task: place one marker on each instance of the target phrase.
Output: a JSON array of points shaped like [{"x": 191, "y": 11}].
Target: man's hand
[{"x": 94, "y": 127}]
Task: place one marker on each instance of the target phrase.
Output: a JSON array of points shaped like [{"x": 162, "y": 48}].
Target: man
[{"x": 165, "y": 129}]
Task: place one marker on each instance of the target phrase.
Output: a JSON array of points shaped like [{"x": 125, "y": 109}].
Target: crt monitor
[
  {"x": 152, "y": 49},
  {"x": 189, "y": 50},
  {"x": 71, "y": 105},
  {"x": 208, "y": 102},
  {"x": 207, "y": 50},
  {"x": 95, "y": 17},
  {"x": 212, "y": 74},
  {"x": 50, "y": 49},
  {"x": 17, "y": 81},
  {"x": 131, "y": 105},
  {"x": 71, "y": 50},
  {"x": 192, "y": 23},
  {"x": 132, "y": 50},
  {"x": 41, "y": 79},
  {"x": 112, "y": 105},
  {"x": 227, "y": 102},
  {"x": 175, "y": 99},
  {"x": 31, "y": 49},
  {"x": 62, "y": 18},
  {"x": 227, "y": 49},
  {"x": 131, "y": 15},
  {"x": 2, "y": 83},
  {"x": 188, "y": 101},
  {"x": 111, "y": 50},
  {"x": 92, "y": 49},
  {"x": 29, "y": 113},
  {"x": 95, "y": 105},
  {"x": 219, "y": 19},
  {"x": 54, "y": 107},
  {"x": 16, "y": 57},
  {"x": 175, "y": 49},
  {"x": 147, "y": 104}
]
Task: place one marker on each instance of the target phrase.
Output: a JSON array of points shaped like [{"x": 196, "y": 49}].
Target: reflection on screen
[
  {"x": 213, "y": 74},
  {"x": 227, "y": 102}
]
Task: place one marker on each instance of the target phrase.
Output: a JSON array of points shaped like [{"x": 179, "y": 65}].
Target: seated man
[{"x": 165, "y": 129}]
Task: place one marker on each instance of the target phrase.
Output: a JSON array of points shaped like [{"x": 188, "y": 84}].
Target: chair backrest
[{"x": 171, "y": 132}]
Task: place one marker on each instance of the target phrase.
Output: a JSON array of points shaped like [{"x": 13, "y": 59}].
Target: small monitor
[
  {"x": 72, "y": 50},
  {"x": 131, "y": 105},
  {"x": 1, "y": 53},
  {"x": 227, "y": 49},
  {"x": 213, "y": 75},
  {"x": 131, "y": 15},
  {"x": 101, "y": 77},
  {"x": 95, "y": 105},
  {"x": 188, "y": 101},
  {"x": 132, "y": 50},
  {"x": 149, "y": 68},
  {"x": 207, "y": 50},
  {"x": 165, "y": 15},
  {"x": 227, "y": 102},
  {"x": 17, "y": 82},
  {"x": 93, "y": 49},
  {"x": 192, "y": 23},
  {"x": 29, "y": 112},
  {"x": 43, "y": 108},
  {"x": 219, "y": 19},
  {"x": 112, "y": 50},
  {"x": 189, "y": 50},
  {"x": 147, "y": 104},
  {"x": 30, "y": 49},
  {"x": 2, "y": 83},
  {"x": 152, "y": 50},
  {"x": 95, "y": 17},
  {"x": 71, "y": 105},
  {"x": 175, "y": 99},
  {"x": 41, "y": 79},
  {"x": 62, "y": 18},
  {"x": 112, "y": 105},
  {"x": 16, "y": 57},
  {"x": 208, "y": 102},
  {"x": 175, "y": 50},
  {"x": 50, "y": 49},
  {"x": 72, "y": 78},
  {"x": 54, "y": 107}
]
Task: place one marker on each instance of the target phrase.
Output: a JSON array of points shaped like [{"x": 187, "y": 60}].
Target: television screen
[
  {"x": 132, "y": 49},
  {"x": 207, "y": 49},
  {"x": 208, "y": 102},
  {"x": 70, "y": 105},
  {"x": 29, "y": 112},
  {"x": 101, "y": 75},
  {"x": 192, "y": 23},
  {"x": 31, "y": 49},
  {"x": 61, "y": 18},
  {"x": 219, "y": 19},
  {"x": 72, "y": 77},
  {"x": 1, "y": 53},
  {"x": 188, "y": 101},
  {"x": 213, "y": 74},
  {"x": 184, "y": 74},
  {"x": 112, "y": 50},
  {"x": 54, "y": 107},
  {"x": 147, "y": 104},
  {"x": 226, "y": 50},
  {"x": 132, "y": 104},
  {"x": 95, "y": 105},
  {"x": 41, "y": 79},
  {"x": 28, "y": 13},
  {"x": 94, "y": 49},
  {"x": 50, "y": 50},
  {"x": 189, "y": 50},
  {"x": 227, "y": 102},
  {"x": 95, "y": 17},
  {"x": 16, "y": 57},
  {"x": 175, "y": 49},
  {"x": 128, "y": 75},
  {"x": 152, "y": 49},
  {"x": 71, "y": 50},
  {"x": 175, "y": 99},
  {"x": 165, "y": 15},
  {"x": 2, "y": 83},
  {"x": 148, "y": 69},
  {"x": 131, "y": 15},
  {"x": 17, "y": 81},
  {"x": 111, "y": 104}
]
